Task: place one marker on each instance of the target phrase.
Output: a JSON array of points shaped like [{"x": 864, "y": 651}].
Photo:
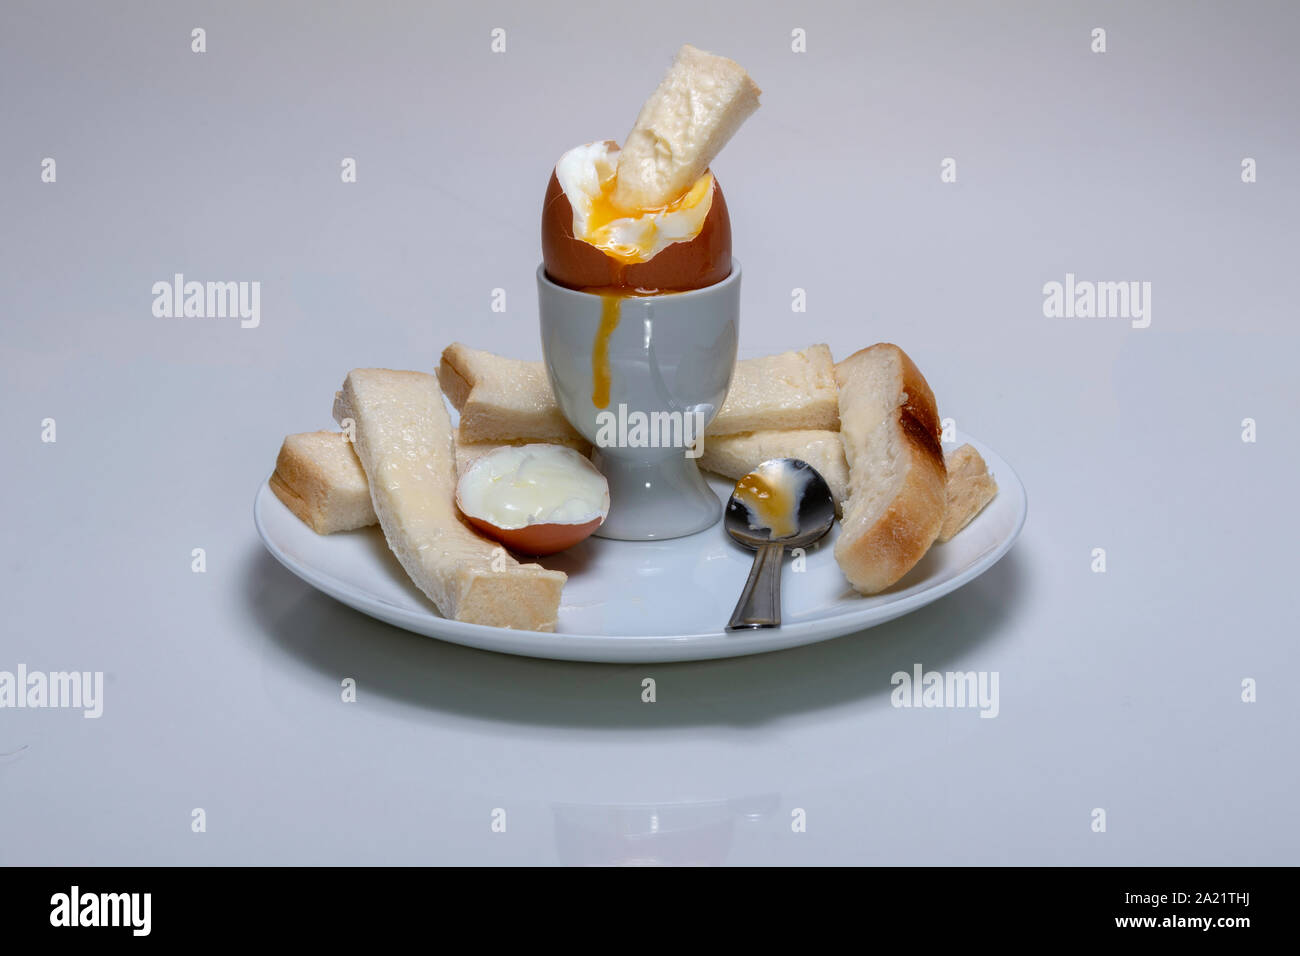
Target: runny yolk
[
  {"x": 603, "y": 211},
  {"x": 610, "y": 307},
  {"x": 771, "y": 505}
]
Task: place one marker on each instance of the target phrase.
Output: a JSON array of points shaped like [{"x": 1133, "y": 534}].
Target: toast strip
[
  {"x": 509, "y": 400},
  {"x": 970, "y": 488},
  {"x": 697, "y": 108},
  {"x": 319, "y": 479},
  {"x": 897, "y": 479},
  {"x": 405, "y": 444},
  {"x": 780, "y": 392},
  {"x": 502, "y": 399}
]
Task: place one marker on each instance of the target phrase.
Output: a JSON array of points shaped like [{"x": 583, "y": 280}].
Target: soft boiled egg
[
  {"x": 534, "y": 499},
  {"x": 590, "y": 243}
]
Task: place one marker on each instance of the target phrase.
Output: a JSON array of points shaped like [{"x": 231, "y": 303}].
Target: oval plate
[{"x": 669, "y": 600}]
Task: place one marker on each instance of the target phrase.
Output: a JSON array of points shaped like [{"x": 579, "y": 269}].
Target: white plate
[{"x": 650, "y": 601}]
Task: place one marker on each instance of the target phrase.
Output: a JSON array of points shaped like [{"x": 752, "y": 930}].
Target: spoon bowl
[{"x": 783, "y": 503}]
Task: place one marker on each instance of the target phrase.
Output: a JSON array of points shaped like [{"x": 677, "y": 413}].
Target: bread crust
[
  {"x": 319, "y": 479},
  {"x": 888, "y": 412},
  {"x": 452, "y": 375},
  {"x": 970, "y": 488}
]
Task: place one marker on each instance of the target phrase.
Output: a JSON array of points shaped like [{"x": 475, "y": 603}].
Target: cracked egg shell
[{"x": 678, "y": 267}]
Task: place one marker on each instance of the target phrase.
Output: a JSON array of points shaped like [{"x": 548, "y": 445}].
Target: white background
[{"x": 1118, "y": 690}]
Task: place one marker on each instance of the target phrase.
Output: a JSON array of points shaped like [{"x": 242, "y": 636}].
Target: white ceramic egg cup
[{"x": 671, "y": 358}]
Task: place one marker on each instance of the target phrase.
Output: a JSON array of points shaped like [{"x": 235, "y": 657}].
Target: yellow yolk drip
[
  {"x": 600, "y": 373},
  {"x": 603, "y": 213},
  {"x": 771, "y": 506}
]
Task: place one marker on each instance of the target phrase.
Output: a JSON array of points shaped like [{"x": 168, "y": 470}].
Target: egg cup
[{"x": 640, "y": 377}]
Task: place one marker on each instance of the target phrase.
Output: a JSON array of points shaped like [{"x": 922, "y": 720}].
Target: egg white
[{"x": 585, "y": 171}]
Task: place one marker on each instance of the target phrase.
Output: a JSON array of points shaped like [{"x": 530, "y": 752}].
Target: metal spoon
[{"x": 760, "y": 602}]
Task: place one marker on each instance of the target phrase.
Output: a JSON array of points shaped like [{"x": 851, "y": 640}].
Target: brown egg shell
[
  {"x": 681, "y": 266},
  {"x": 538, "y": 540}
]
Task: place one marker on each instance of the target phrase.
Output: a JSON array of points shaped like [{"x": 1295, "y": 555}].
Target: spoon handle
[{"x": 760, "y": 602}]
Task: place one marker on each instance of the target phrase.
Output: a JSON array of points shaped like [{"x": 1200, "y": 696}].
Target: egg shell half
[{"x": 538, "y": 540}]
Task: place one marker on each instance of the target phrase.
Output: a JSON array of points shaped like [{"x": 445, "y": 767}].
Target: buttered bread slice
[
  {"x": 319, "y": 479},
  {"x": 696, "y": 109},
  {"x": 405, "y": 445},
  {"x": 779, "y": 392},
  {"x": 897, "y": 481},
  {"x": 502, "y": 399}
]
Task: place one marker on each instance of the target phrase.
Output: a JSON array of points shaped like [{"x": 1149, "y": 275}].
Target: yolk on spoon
[{"x": 772, "y": 505}]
